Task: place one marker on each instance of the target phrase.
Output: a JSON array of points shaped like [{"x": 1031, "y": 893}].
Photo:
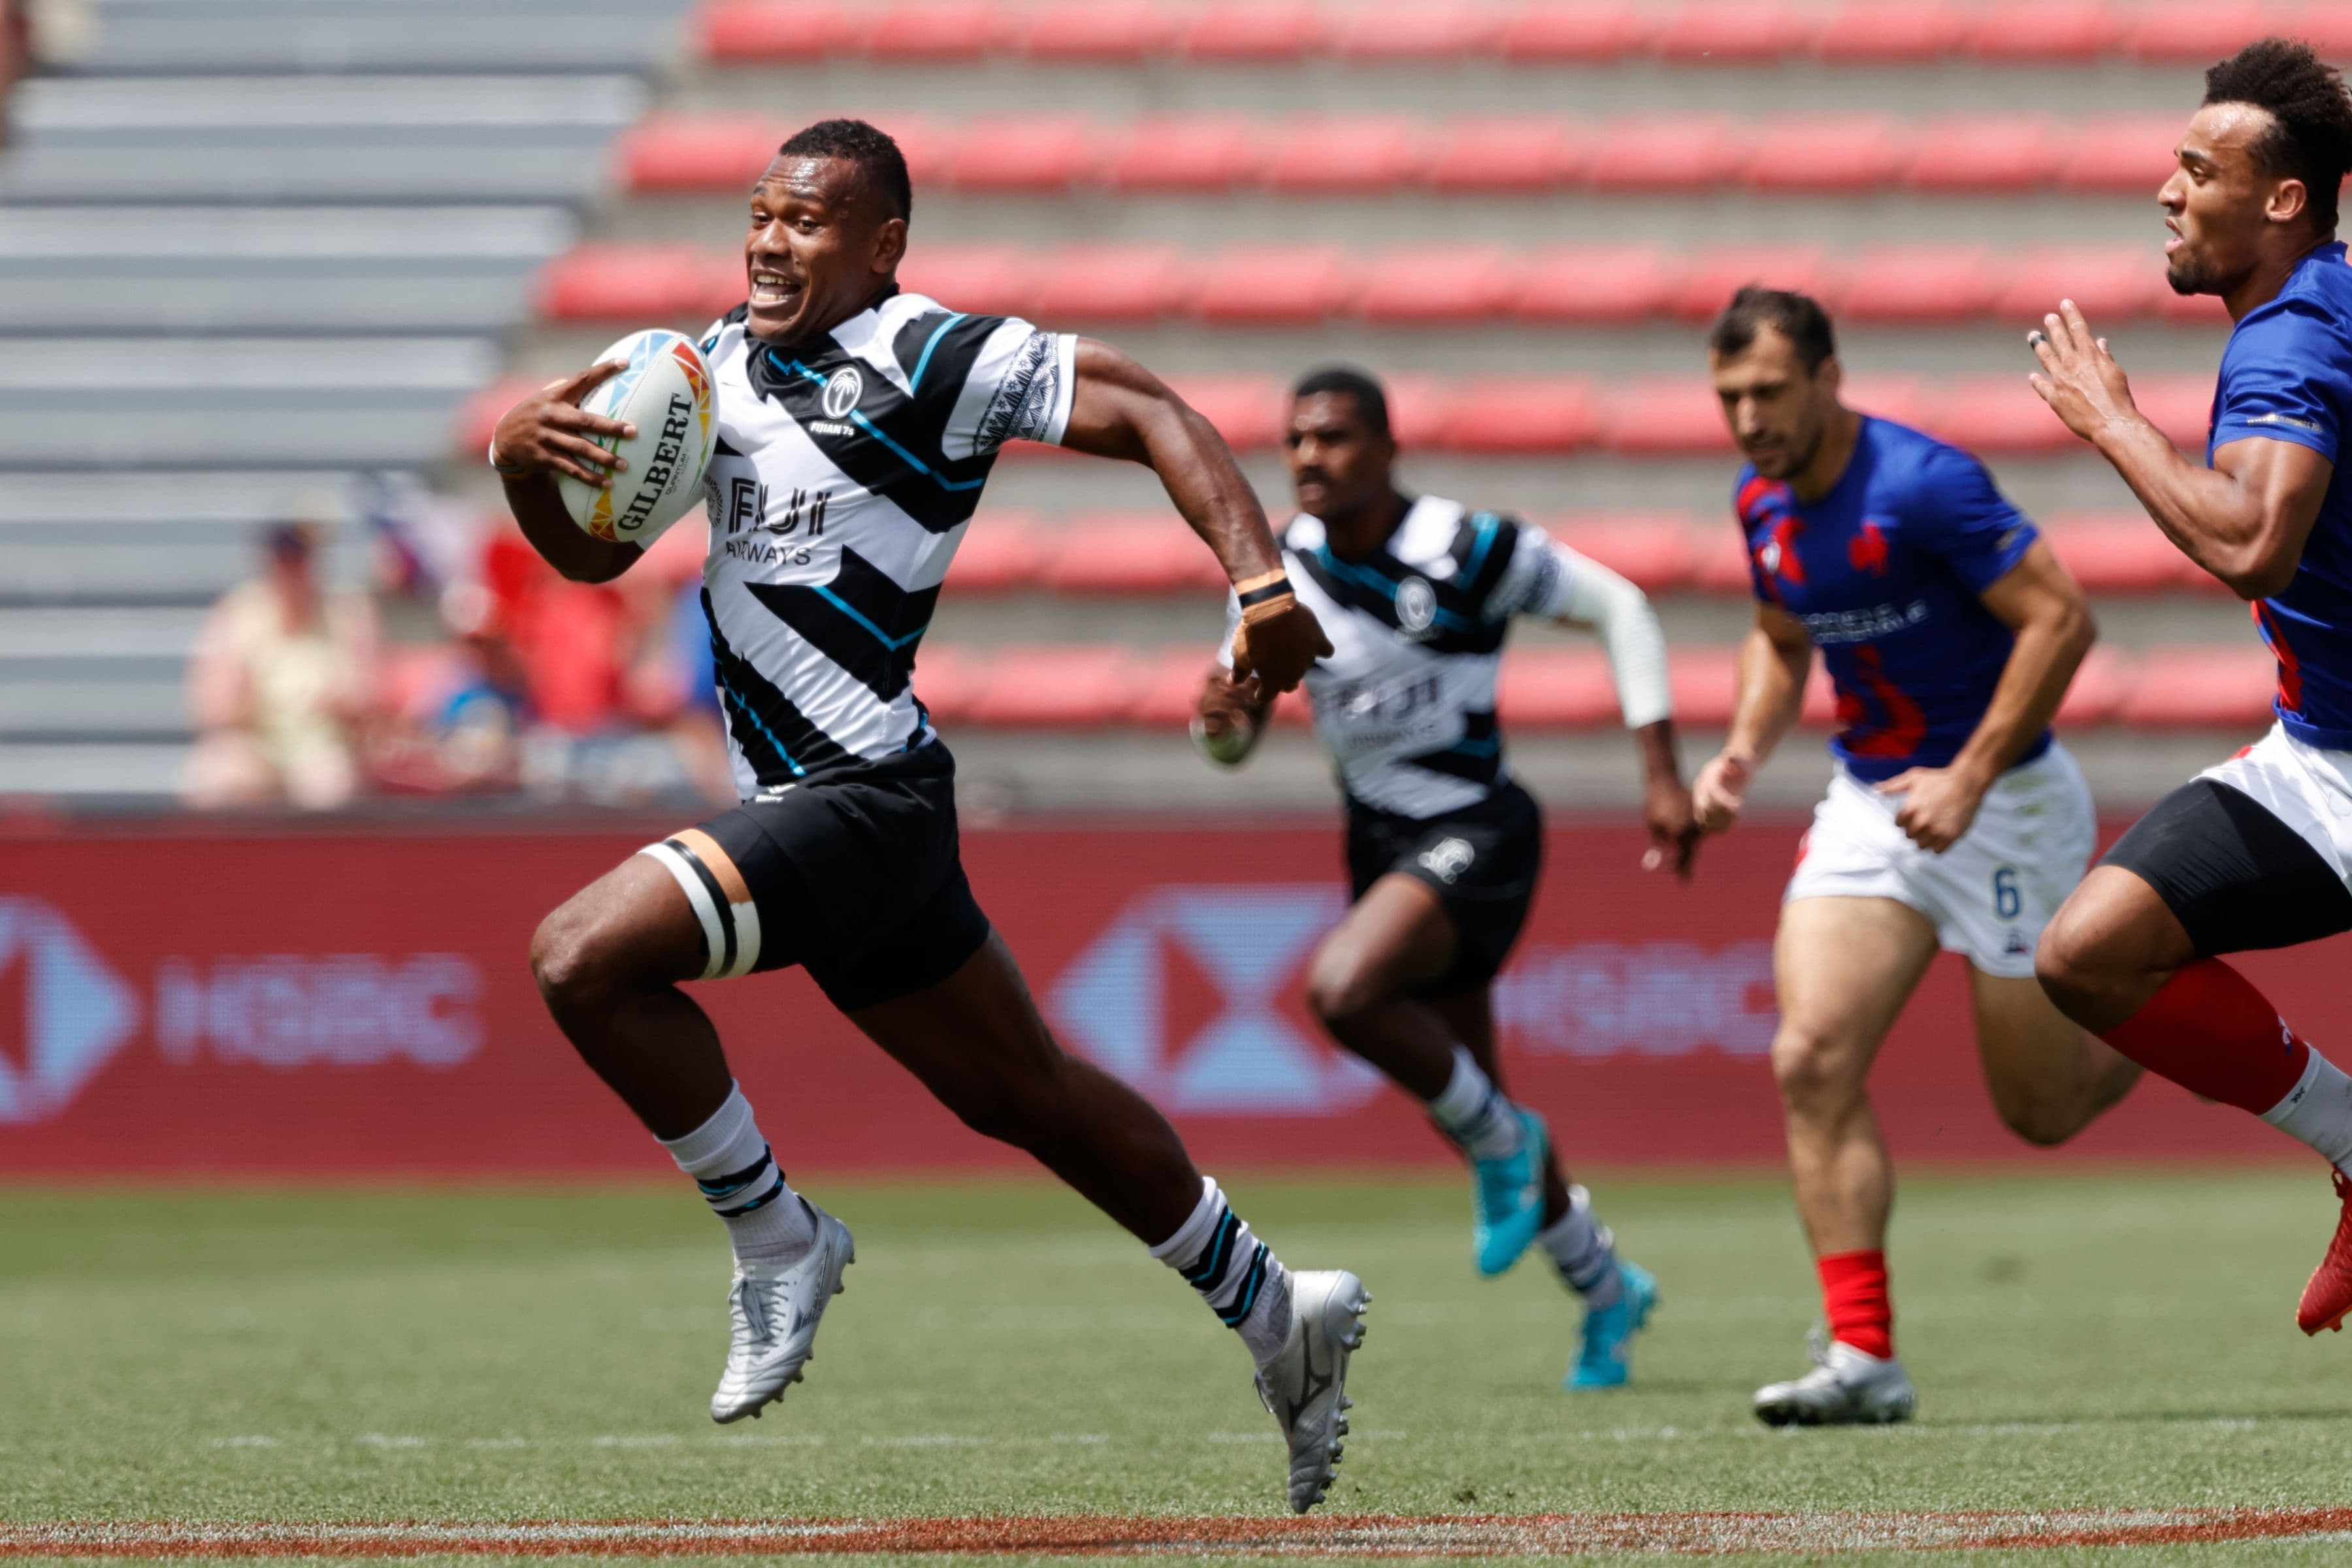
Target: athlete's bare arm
[
  {"x": 1775, "y": 658},
  {"x": 2244, "y": 519},
  {"x": 2045, "y": 607},
  {"x": 1122, "y": 410},
  {"x": 547, "y": 434}
]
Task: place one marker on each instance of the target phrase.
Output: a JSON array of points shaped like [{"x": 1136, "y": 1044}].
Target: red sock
[
  {"x": 2213, "y": 1034},
  {"x": 1855, "y": 1299}
]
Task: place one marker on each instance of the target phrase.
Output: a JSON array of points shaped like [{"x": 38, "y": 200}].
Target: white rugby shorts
[
  {"x": 1989, "y": 895},
  {"x": 2308, "y": 789}
]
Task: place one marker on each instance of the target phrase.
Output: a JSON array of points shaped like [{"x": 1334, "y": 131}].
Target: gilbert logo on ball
[{"x": 665, "y": 392}]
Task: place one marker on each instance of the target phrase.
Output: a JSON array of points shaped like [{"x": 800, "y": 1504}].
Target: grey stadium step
[
  {"x": 280, "y": 234},
  {"x": 102, "y": 305},
  {"x": 175, "y": 37},
  {"x": 141, "y": 771},
  {"x": 62, "y": 111},
  {"x": 167, "y": 371},
  {"x": 518, "y": 167},
  {"x": 67, "y": 710}
]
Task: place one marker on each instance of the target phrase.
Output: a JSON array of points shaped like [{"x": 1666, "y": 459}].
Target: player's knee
[
  {"x": 2041, "y": 1120},
  {"x": 1811, "y": 1070},
  {"x": 2070, "y": 966},
  {"x": 571, "y": 962},
  {"x": 1340, "y": 990}
]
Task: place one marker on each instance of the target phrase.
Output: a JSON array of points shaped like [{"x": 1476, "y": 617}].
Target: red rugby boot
[{"x": 2329, "y": 1297}]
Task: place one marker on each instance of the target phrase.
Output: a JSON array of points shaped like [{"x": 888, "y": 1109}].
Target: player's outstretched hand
[
  {"x": 1273, "y": 653},
  {"x": 1674, "y": 826},
  {"x": 1721, "y": 790},
  {"x": 2079, "y": 378},
  {"x": 549, "y": 433},
  {"x": 1939, "y": 804}
]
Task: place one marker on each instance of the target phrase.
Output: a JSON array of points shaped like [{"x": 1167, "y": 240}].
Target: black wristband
[{"x": 1264, "y": 593}]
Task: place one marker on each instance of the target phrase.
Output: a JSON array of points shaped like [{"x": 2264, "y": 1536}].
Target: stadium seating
[
  {"x": 1525, "y": 155},
  {"x": 1439, "y": 285},
  {"x": 1261, "y": 32}
]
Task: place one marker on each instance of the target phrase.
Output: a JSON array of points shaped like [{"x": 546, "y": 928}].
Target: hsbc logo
[
  {"x": 77, "y": 1011},
  {"x": 1124, "y": 1002}
]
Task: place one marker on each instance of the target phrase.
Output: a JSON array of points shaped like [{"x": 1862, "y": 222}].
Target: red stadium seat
[
  {"x": 1984, "y": 153},
  {"x": 951, "y": 675},
  {"x": 737, "y": 32},
  {"x": 2193, "y": 309},
  {"x": 480, "y": 413},
  {"x": 1421, "y": 409},
  {"x": 622, "y": 283},
  {"x": 1001, "y": 552},
  {"x": 1116, "y": 553},
  {"x": 1532, "y": 416},
  {"x": 1704, "y": 682},
  {"x": 1043, "y": 154},
  {"x": 1555, "y": 689},
  {"x": 1658, "y": 153},
  {"x": 1055, "y": 685},
  {"x": 1522, "y": 152},
  {"x": 1547, "y": 31},
  {"x": 2325, "y": 25},
  {"x": 1596, "y": 283},
  {"x": 2107, "y": 676},
  {"x": 2000, "y": 414},
  {"x": 697, "y": 153},
  {"x": 2043, "y": 30},
  {"x": 1165, "y": 687},
  {"x": 936, "y": 30},
  {"x": 1301, "y": 284},
  {"x": 1113, "y": 30},
  {"x": 1417, "y": 29},
  {"x": 1425, "y": 285},
  {"x": 2179, "y": 406},
  {"x": 1719, "y": 554},
  {"x": 1247, "y": 410},
  {"x": 1371, "y": 154},
  {"x": 1113, "y": 282},
  {"x": 1269, "y": 30},
  {"x": 1919, "y": 283},
  {"x": 1872, "y": 32},
  {"x": 2197, "y": 32},
  {"x": 1709, "y": 277},
  {"x": 1187, "y": 152},
  {"x": 1666, "y": 415},
  {"x": 2119, "y": 554},
  {"x": 2228, "y": 686},
  {"x": 1825, "y": 153},
  {"x": 991, "y": 280},
  {"x": 1731, "y": 32},
  {"x": 1654, "y": 550},
  {"x": 2126, "y": 153},
  {"x": 724, "y": 284},
  {"x": 2111, "y": 283}
]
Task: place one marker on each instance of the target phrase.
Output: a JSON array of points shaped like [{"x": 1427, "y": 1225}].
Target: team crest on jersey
[
  {"x": 1416, "y": 605},
  {"x": 842, "y": 388}
]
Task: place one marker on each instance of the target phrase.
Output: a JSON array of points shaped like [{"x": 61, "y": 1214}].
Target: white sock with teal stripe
[
  {"x": 1584, "y": 1250},
  {"x": 732, "y": 1162},
  {"x": 1235, "y": 1273},
  {"x": 1473, "y": 1113}
]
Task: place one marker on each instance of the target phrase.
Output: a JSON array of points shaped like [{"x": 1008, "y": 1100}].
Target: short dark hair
[
  {"x": 861, "y": 144},
  {"x": 1796, "y": 317},
  {"x": 1371, "y": 402},
  {"x": 2311, "y": 140}
]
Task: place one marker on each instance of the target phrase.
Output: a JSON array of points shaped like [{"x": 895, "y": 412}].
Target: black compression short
[
  {"x": 1484, "y": 861},
  {"x": 2236, "y": 877},
  {"x": 857, "y": 875}
]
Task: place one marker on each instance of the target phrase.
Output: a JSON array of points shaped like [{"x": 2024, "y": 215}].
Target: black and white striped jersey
[
  {"x": 845, "y": 475},
  {"x": 1405, "y": 702}
]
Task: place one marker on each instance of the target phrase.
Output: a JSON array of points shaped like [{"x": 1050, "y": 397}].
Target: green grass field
[{"x": 492, "y": 1354}]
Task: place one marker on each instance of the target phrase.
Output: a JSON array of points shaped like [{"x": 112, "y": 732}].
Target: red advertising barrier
[{"x": 359, "y": 1001}]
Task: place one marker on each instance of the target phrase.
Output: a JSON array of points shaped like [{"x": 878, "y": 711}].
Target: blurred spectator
[
  {"x": 282, "y": 685},
  {"x": 38, "y": 32}
]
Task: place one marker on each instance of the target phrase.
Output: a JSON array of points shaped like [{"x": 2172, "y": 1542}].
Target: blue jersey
[
  {"x": 1887, "y": 571},
  {"x": 2287, "y": 376}
]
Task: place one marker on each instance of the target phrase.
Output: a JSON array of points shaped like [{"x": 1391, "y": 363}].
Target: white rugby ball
[{"x": 666, "y": 393}]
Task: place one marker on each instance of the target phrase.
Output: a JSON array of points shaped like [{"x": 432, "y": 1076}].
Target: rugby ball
[{"x": 666, "y": 393}]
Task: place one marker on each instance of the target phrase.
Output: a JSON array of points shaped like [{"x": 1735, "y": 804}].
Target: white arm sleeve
[{"x": 1583, "y": 593}]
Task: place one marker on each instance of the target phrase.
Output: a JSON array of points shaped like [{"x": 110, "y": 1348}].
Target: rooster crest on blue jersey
[
  {"x": 845, "y": 473},
  {"x": 1886, "y": 573}
]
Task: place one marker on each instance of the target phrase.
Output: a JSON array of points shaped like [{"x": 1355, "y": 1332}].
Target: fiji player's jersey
[
  {"x": 845, "y": 475},
  {"x": 2287, "y": 376},
  {"x": 1405, "y": 702},
  {"x": 1886, "y": 572}
]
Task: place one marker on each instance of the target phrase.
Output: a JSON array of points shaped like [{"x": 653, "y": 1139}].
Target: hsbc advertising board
[{"x": 313, "y": 1000}]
